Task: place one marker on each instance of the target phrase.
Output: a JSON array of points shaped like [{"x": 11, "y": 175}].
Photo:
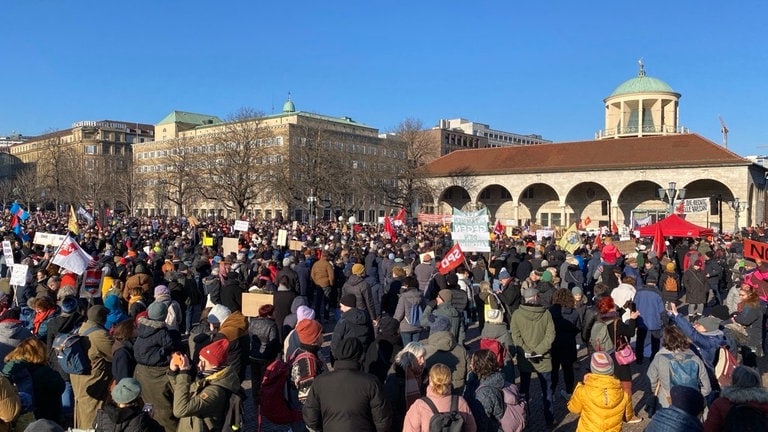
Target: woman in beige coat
[{"x": 92, "y": 389}]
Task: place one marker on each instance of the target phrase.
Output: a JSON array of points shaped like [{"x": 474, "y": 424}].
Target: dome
[
  {"x": 288, "y": 106},
  {"x": 642, "y": 84}
]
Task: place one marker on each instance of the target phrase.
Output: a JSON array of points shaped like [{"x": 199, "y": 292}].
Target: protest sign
[
  {"x": 470, "y": 229},
  {"x": 8, "y": 253}
]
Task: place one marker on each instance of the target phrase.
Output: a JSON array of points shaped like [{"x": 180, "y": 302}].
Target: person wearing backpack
[
  {"x": 439, "y": 404},
  {"x": 600, "y": 401},
  {"x": 669, "y": 283},
  {"x": 675, "y": 364},
  {"x": 92, "y": 389},
  {"x": 485, "y": 394},
  {"x": 410, "y": 298},
  {"x": 125, "y": 411},
  {"x": 745, "y": 396},
  {"x": 69, "y": 320},
  {"x": 361, "y": 405},
  {"x": 495, "y": 329}
]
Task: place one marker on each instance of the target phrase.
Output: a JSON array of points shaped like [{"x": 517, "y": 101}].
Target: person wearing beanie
[
  {"x": 670, "y": 290},
  {"x": 152, "y": 351},
  {"x": 292, "y": 278},
  {"x": 138, "y": 279},
  {"x": 357, "y": 286},
  {"x": 360, "y": 407},
  {"x": 533, "y": 332},
  {"x": 683, "y": 414},
  {"x": 116, "y": 314},
  {"x": 382, "y": 351},
  {"x": 232, "y": 326},
  {"x": 354, "y": 323},
  {"x": 303, "y": 312},
  {"x": 125, "y": 411},
  {"x": 442, "y": 348},
  {"x": 442, "y": 305},
  {"x": 174, "y": 315},
  {"x": 322, "y": 275},
  {"x": 264, "y": 346},
  {"x": 90, "y": 391},
  {"x": 545, "y": 288},
  {"x": 212, "y": 288},
  {"x": 202, "y": 404},
  {"x": 600, "y": 401},
  {"x": 746, "y": 389},
  {"x": 70, "y": 319}
]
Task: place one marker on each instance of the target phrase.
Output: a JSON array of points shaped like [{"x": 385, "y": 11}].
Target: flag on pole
[
  {"x": 659, "y": 245},
  {"x": 18, "y": 211},
  {"x": 498, "y": 229},
  {"x": 598, "y": 241},
  {"x": 399, "y": 218},
  {"x": 389, "y": 229},
  {"x": 587, "y": 221},
  {"x": 614, "y": 228},
  {"x": 452, "y": 259},
  {"x": 570, "y": 240},
  {"x": 72, "y": 224},
  {"x": 71, "y": 256},
  {"x": 84, "y": 213}
]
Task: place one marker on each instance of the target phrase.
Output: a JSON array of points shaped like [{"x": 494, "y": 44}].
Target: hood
[
  {"x": 298, "y": 301},
  {"x": 441, "y": 341},
  {"x": 544, "y": 286},
  {"x": 355, "y": 280},
  {"x": 112, "y": 302},
  {"x": 532, "y": 312},
  {"x": 13, "y": 329},
  {"x": 226, "y": 378},
  {"x": 355, "y": 316},
  {"x": 235, "y": 326},
  {"x": 495, "y": 380},
  {"x": 147, "y": 327},
  {"x": 609, "y": 388},
  {"x": 748, "y": 394}
]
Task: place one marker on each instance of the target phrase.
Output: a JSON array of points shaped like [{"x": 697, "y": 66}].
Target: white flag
[
  {"x": 84, "y": 213},
  {"x": 71, "y": 256}
]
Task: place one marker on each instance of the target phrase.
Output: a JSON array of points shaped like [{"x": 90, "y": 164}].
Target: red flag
[
  {"x": 451, "y": 260},
  {"x": 499, "y": 228},
  {"x": 598, "y": 241},
  {"x": 614, "y": 228},
  {"x": 659, "y": 245},
  {"x": 399, "y": 218},
  {"x": 388, "y": 229},
  {"x": 587, "y": 221}
]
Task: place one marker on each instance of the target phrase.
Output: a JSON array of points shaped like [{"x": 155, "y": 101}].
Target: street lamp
[
  {"x": 737, "y": 207},
  {"x": 669, "y": 194},
  {"x": 311, "y": 200}
]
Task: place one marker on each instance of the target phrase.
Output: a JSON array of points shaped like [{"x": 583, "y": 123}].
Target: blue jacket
[
  {"x": 651, "y": 307},
  {"x": 707, "y": 343},
  {"x": 674, "y": 420}
]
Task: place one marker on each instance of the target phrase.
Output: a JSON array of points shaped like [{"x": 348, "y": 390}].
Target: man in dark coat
[
  {"x": 696, "y": 288},
  {"x": 354, "y": 323},
  {"x": 232, "y": 292},
  {"x": 360, "y": 407}
]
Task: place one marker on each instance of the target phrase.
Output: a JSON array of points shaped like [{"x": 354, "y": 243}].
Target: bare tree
[
  {"x": 126, "y": 186},
  {"x": 26, "y": 186},
  {"x": 178, "y": 168},
  {"x": 58, "y": 170}
]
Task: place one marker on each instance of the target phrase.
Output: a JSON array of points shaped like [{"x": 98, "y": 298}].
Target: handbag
[{"x": 624, "y": 353}]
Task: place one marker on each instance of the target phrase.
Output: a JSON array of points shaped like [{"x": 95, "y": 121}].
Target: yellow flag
[
  {"x": 72, "y": 224},
  {"x": 207, "y": 241},
  {"x": 570, "y": 240}
]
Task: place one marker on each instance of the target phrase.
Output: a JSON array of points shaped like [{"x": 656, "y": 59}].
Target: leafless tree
[
  {"x": 26, "y": 186},
  {"x": 58, "y": 170}
]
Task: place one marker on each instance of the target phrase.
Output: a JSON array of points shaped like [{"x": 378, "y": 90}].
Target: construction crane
[{"x": 724, "y": 131}]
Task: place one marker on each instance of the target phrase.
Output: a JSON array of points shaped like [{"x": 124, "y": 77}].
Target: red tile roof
[{"x": 609, "y": 154}]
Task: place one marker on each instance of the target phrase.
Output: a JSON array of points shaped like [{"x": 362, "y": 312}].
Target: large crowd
[{"x": 155, "y": 337}]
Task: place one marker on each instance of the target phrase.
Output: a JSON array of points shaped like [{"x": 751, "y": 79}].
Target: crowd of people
[{"x": 165, "y": 344}]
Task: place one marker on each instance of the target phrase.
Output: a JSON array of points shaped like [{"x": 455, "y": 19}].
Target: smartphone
[{"x": 149, "y": 409}]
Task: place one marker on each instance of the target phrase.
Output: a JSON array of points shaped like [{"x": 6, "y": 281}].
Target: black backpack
[{"x": 450, "y": 421}]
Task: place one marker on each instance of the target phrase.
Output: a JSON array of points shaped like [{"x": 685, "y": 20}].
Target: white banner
[
  {"x": 470, "y": 229},
  {"x": 19, "y": 274},
  {"x": 8, "y": 253},
  {"x": 282, "y": 237},
  {"x": 694, "y": 205},
  {"x": 48, "y": 239},
  {"x": 241, "y": 225}
]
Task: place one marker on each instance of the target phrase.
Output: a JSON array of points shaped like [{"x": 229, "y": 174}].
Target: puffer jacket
[
  {"x": 153, "y": 345},
  {"x": 12, "y": 332},
  {"x": 441, "y": 348},
  {"x": 404, "y": 304},
  {"x": 265, "y": 344},
  {"x": 658, "y": 371},
  {"x": 696, "y": 286},
  {"x": 202, "y": 405},
  {"x": 129, "y": 419},
  {"x": 357, "y": 286},
  {"x": 602, "y": 404},
  {"x": 674, "y": 419},
  {"x": 487, "y": 402},
  {"x": 533, "y": 330},
  {"x": 418, "y": 416},
  {"x": 353, "y": 323},
  {"x": 730, "y": 396}
]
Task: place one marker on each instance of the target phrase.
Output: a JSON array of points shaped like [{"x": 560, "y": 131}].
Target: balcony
[{"x": 634, "y": 131}]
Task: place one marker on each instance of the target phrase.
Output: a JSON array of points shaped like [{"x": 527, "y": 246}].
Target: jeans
[
  {"x": 68, "y": 400},
  {"x": 544, "y": 380},
  {"x": 642, "y": 332},
  {"x": 192, "y": 317},
  {"x": 320, "y": 302},
  {"x": 410, "y": 337}
]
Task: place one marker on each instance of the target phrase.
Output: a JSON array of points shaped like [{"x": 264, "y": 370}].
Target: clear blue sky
[{"x": 526, "y": 67}]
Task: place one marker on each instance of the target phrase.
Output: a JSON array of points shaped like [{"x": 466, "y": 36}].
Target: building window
[
  {"x": 555, "y": 219},
  {"x": 90, "y": 149},
  {"x": 544, "y": 219},
  {"x": 528, "y": 194}
]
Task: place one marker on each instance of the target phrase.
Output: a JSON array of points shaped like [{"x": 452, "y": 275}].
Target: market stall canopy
[{"x": 675, "y": 226}]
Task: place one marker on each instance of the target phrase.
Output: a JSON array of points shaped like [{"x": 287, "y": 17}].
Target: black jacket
[
  {"x": 123, "y": 361},
  {"x": 129, "y": 419},
  {"x": 353, "y": 323},
  {"x": 360, "y": 407},
  {"x": 232, "y": 293},
  {"x": 265, "y": 344},
  {"x": 154, "y": 344}
]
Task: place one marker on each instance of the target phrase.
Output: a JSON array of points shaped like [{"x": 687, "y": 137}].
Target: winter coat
[
  {"x": 140, "y": 280},
  {"x": 732, "y": 299},
  {"x": 116, "y": 314},
  {"x": 567, "y": 323},
  {"x": 10, "y": 405},
  {"x": 499, "y": 332},
  {"x": 441, "y": 348},
  {"x": 353, "y": 323},
  {"x": 669, "y": 296},
  {"x": 546, "y": 290},
  {"x": 304, "y": 281},
  {"x": 173, "y": 318},
  {"x": 448, "y": 311},
  {"x": 48, "y": 387},
  {"x": 696, "y": 286},
  {"x": 360, "y": 407},
  {"x": 154, "y": 344},
  {"x": 265, "y": 343},
  {"x": 621, "y": 295},
  {"x": 601, "y": 403},
  {"x": 357, "y": 286},
  {"x": 232, "y": 293},
  {"x": 293, "y": 278},
  {"x": 290, "y": 320},
  {"x": 487, "y": 402},
  {"x": 123, "y": 360},
  {"x": 12, "y": 332},
  {"x": 708, "y": 343},
  {"x": 674, "y": 419},
  {"x": 212, "y": 289},
  {"x": 381, "y": 353},
  {"x": 730, "y": 396},
  {"x": 651, "y": 307},
  {"x": 418, "y": 417},
  {"x": 532, "y": 331},
  {"x": 394, "y": 387},
  {"x": 201, "y": 405},
  {"x": 322, "y": 273},
  {"x": 60, "y": 324},
  {"x": 751, "y": 317},
  {"x": 129, "y": 419},
  {"x": 91, "y": 390},
  {"x": 283, "y": 300},
  {"x": 404, "y": 304},
  {"x": 659, "y": 372},
  {"x": 235, "y": 330},
  {"x": 423, "y": 273}
]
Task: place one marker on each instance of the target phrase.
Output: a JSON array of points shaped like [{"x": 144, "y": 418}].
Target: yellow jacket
[{"x": 602, "y": 404}]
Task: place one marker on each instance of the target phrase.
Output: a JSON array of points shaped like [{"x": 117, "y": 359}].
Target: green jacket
[
  {"x": 448, "y": 311},
  {"x": 532, "y": 331},
  {"x": 202, "y": 405}
]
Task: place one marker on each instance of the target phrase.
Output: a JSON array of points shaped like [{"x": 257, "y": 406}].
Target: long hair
[
  {"x": 30, "y": 350},
  {"x": 564, "y": 298},
  {"x": 674, "y": 339}
]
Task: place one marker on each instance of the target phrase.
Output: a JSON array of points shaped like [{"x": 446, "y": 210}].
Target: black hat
[
  {"x": 349, "y": 348},
  {"x": 349, "y": 300}
]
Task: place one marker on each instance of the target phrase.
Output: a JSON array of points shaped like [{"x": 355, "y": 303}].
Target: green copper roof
[
  {"x": 642, "y": 84},
  {"x": 190, "y": 118},
  {"x": 288, "y": 106}
]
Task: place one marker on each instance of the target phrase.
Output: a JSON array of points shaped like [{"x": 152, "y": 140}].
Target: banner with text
[
  {"x": 693, "y": 205},
  {"x": 435, "y": 219},
  {"x": 470, "y": 229}
]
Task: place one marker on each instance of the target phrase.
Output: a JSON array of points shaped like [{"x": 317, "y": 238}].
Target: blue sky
[{"x": 526, "y": 67}]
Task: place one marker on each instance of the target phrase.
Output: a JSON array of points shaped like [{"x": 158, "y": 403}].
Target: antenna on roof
[
  {"x": 724, "y": 131},
  {"x": 641, "y": 72}
]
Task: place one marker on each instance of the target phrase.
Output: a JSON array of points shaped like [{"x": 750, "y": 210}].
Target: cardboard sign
[
  {"x": 295, "y": 245},
  {"x": 19, "y": 274},
  {"x": 8, "y": 253},
  {"x": 755, "y": 250},
  {"x": 282, "y": 237},
  {"x": 229, "y": 245},
  {"x": 241, "y": 225},
  {"x": 253, "y": 301},
  {"x": 625, "y": 246},
  {"x": 48, "y": 239}
]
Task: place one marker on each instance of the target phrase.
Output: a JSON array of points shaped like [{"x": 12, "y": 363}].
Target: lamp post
[
  {"x": 312, "y": 199},
  {"x": 669, "y": 195},
  {"x": 737, "y": 207}
]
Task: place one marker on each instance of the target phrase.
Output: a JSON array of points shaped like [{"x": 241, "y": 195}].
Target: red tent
[{"x": 675, "y": 226}]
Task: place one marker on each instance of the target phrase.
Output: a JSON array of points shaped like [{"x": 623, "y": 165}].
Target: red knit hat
[
  {"x": 215, "y": 353},
  {"x": 308, "y": 331}
]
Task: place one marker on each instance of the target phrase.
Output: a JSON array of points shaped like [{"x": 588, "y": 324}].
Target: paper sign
[
  {"x": 91, "y": 283},
  {"x": 207, "y": 241},
  {"x": 48, "y": 239},
  {"x": 625, "y": 246},
  {"x": 253, "y": 301},
  {"x": 241, "y": 225},
  {"x": 8, "y": 253},
  {"x": 19, "y": 274},
  {"x": 424, "y": 255},
  {"x": 755, "y": 250},
  {"x": 295, "y": 225},
  {"x": 295, "y": 245},
  {"x": 229, "y": 244},
  {"x": 282, "y": 237}
]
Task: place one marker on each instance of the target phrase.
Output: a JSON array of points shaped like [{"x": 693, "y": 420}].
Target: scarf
[
  {"x": 40, "y": 317},
  {"x": 412, "y": 386}
]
